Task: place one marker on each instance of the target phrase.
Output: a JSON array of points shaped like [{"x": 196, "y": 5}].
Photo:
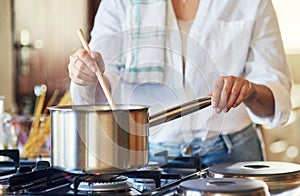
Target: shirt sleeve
[
  {"x": 267, "y": 64},
  {"x": 82, "y": 95}
]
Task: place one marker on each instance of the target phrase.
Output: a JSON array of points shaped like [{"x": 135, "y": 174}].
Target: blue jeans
[{"x": 243, "y": 145}]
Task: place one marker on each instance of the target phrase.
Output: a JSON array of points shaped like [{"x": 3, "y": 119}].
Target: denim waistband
[
  {"x": 198, "y": 146},
  {"x": 230, "y": 139},
  {"x": 239, "y": 135}
]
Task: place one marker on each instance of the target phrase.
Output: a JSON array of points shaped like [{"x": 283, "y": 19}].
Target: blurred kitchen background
[{"x": 37, "y": 37}]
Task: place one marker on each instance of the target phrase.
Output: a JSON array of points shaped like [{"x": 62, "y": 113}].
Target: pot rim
[{"x": 97, "y": 107}]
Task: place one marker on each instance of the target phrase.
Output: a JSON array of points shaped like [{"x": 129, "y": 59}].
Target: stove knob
[
  {"x": 23, "y": 170},
  {"x": 41, "y": 165}
]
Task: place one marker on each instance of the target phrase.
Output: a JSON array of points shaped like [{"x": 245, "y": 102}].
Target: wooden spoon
[{"x": 98, "y": 72}]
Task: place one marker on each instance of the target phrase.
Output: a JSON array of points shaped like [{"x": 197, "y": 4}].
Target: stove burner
[
  {"x": 151, "y": 166},
  {"x": 101, "y": 183},
  {"x": 104, "y": 178},
  {"x": 279, "y": 176},
  {"x": 226, "y": 186}
]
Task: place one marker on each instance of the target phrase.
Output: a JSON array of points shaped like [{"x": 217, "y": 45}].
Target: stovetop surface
[
  {"x": 23, "y": 177},
  {"x": 54, "y": 182}
]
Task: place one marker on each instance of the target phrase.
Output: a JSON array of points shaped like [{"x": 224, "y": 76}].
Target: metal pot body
[{"x": 95, "y": 139}]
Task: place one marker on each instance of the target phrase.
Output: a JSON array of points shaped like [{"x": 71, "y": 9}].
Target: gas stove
[
  {"x": 21, "y": 177},
  {"x": 179, "y": 176}
]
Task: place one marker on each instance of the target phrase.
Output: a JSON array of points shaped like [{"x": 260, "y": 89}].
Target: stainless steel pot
[{"x": 96, "y": 139}]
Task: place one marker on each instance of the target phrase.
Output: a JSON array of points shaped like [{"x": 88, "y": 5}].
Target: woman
[{"x": 165, "y": 52}]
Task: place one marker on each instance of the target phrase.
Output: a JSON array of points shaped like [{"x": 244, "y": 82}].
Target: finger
[
  {"x": 80, "y": 74},
  {"x": 80, "y": 65},
  {"x": 78, "y": 71},
  {"x": 73, "y": 58},
  {"x": 216, "y": 93},
  {"x": 80, "y": 52},
  {"x": 234, "y": 94},
  {"x": 90, "y": 63},
  {"x": 243, "y": 94},
  {"x": 98, "y": 58},
  {"x": 71, "y": 67},
  {"x": 82, "y": 68},
  {"x": 82, "y": 80},
  {"x": 226, "y": 91}
]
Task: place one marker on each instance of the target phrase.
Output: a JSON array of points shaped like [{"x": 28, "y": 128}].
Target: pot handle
[{"x": 179, "y": 111}]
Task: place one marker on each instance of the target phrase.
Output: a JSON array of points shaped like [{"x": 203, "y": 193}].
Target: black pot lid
[{"x": 228, "y": 186}]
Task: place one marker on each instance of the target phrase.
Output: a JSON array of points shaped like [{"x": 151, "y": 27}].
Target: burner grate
[{"x": 100, "y": 183}]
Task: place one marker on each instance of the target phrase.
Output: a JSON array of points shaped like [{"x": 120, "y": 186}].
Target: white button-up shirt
[{"x": 227, "y": 37}]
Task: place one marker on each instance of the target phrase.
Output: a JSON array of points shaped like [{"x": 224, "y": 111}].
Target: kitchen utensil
[
  {"x": 98, "y": 72},
  {"x": 92, "y": 139},
  {"x": 37, "y": 138}
]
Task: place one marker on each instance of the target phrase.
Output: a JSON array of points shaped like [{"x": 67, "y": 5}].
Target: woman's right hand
[{"x": 82, "y": 67}]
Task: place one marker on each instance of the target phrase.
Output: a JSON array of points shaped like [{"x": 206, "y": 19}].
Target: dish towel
[{"x": 144, "y": 41}]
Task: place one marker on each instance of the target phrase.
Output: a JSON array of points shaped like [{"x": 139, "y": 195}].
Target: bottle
[{"x": 10, "y": 138}]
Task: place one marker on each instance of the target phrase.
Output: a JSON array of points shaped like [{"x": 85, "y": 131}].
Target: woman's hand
[
  {"x": 82, "y": 67},
  {"x": 231, "y": 91}
]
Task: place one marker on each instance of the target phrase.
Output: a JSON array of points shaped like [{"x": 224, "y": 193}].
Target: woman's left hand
[{"x": 229, "y": 92}]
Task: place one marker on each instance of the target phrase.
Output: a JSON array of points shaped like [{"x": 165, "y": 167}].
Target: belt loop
[
  {"x": 227, "y": 143},
  {"x": 259, "y": 129}
]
